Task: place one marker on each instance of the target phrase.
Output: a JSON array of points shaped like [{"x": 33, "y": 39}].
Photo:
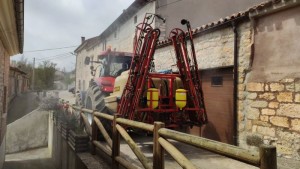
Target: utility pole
[{"x": 33, "y": 73}]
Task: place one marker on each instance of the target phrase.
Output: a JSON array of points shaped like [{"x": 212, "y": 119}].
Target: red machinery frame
[{"x": 140, "y": 75}]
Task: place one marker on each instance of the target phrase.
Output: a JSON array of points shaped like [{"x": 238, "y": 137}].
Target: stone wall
[
  {"x": 270, "y": 115},
  {"x": 213, "y": 50}
]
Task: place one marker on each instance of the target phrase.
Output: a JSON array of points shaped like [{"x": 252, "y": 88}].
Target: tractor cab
[{"x": 108, "y": 65}]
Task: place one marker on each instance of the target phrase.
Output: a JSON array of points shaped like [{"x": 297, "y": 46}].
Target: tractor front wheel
[{"x": 95, "y": 100}]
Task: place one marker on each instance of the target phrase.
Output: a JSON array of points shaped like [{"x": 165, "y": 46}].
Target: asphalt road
[{"x": 22, "y": 105}]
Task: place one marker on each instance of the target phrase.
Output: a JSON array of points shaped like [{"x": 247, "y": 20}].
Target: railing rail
[{"x": 264, "y": 159}]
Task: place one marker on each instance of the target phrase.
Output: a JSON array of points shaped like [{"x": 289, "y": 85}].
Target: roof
[
  {"x": 19, "y": 13},
  {"x": 273, "y": 4},
  {"x": 114, "y": 53},
  {"x": 89, "y": 43},
  {"x": 17, "y": 70}
]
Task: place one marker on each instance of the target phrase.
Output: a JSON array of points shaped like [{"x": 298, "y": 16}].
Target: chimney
[{"x": 82, "y": 39}]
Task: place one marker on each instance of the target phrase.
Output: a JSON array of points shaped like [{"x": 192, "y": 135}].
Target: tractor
[{"x": 137, "y": 92}]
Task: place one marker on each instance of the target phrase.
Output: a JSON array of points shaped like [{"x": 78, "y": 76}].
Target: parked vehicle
[{"x": 72, "y": 90}]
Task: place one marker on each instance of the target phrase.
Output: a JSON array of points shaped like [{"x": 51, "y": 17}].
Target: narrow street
[
  {"x": 21, "y": 105},
  {"x": 31, "y": 159}
]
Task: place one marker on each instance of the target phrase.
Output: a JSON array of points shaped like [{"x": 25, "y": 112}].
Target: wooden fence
[{"x": 264, "y": 159}]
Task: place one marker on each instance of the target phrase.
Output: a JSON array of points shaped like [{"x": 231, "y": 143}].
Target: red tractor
[{"x": 108, "y": 66}]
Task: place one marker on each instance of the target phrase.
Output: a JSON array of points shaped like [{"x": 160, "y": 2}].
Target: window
[
  {"x": 217, "y": 81},
  {"x": 104, "y": 45},
  {"x": 83, "y": 85},
  {"x": 115, "y": 34},
  {"x": 92, "y": 59},
  {"x": 135, "y": 19},
  {"x": 79, "y": 85}
]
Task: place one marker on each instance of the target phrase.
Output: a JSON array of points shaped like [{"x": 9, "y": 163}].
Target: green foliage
[{"x": 44, "y": 76}]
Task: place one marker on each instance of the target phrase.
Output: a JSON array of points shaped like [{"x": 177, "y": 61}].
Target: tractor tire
[
  {"x": 79, "y": 99},
  {"x": 95, "y": 100}
]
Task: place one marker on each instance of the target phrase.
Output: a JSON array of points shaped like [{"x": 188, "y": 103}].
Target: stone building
[
  {"x": 250, "y": 74},
  {"x": 120, "y": 34},
  {"x": 18, "y": 82},
  {"x": 248, "y": 63},
  {"x": 11, "y": 43}
]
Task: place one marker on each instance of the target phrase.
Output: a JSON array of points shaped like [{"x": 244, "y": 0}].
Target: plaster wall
[
  {"x": 125, "y": 33},
  {"x": 83, "y": 72}
]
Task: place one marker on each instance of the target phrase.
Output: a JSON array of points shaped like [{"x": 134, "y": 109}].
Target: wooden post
[
  {"x": 158, "y": 151},
  {"x": 116, "y": 144},
  {"x": 94, "y": 136},
  {"x": 268, "y": 157}
]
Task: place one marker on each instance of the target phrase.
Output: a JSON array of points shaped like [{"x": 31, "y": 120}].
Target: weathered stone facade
[
  {"x": 269, "y": 111},
  {"x": 273, "y": 116}
]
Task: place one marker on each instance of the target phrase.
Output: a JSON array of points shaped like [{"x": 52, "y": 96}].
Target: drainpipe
[{"x": 235, "y": 84}]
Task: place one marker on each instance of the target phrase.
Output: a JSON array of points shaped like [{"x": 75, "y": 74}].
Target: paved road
[
  {"x": 30, "y": 164},
  {"x": 22, "y": 105}
]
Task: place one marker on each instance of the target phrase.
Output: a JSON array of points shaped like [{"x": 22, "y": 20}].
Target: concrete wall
[
  {"x": 28, "y": 132},
  {"x": 269, "y": 97}
]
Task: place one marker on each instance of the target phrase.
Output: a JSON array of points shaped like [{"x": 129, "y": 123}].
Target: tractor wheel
[
  {"x": 79, "y": 100},
  {"x": 95, "y": 100}
]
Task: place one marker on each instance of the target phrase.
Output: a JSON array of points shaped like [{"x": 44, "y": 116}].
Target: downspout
[{"x": 235, "y": 84}]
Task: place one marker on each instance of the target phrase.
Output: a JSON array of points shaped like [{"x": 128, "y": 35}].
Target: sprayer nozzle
[{"x": 184, "y": 21}]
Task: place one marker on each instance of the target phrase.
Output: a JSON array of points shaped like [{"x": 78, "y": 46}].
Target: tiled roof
[
  {"x": 235, "y": 16},
  {"x": 89, "y": 43}
]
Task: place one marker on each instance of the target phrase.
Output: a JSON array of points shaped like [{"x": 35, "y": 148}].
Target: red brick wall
[{"x": 4, "y": 75}]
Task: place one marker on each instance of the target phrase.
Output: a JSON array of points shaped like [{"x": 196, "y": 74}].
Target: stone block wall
[
  {"x": 213, "y": 50},
  {"x": 270, "y": 114}
]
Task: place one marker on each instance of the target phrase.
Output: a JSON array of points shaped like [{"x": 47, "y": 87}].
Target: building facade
[
  {"x": 18, "y": 82},
  {"x": 248, "y": 63},
  {"x": 11, "y": 43}
]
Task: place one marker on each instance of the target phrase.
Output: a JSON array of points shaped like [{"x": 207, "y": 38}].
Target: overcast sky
[{"x": 61, "y": 23}]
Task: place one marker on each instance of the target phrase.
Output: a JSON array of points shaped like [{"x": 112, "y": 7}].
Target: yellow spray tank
[
  {"x": 180, "y": 98},
  {"x": 152, "y": 98}
]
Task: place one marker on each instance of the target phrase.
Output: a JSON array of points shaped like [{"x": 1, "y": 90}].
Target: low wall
[
  {"x": 63, "y": 156},
  {"x": 28, "y": 132}
]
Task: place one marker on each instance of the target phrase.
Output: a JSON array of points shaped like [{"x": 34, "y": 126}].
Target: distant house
[
  {"x": 18, "y": 82},
  {"x": 11, "y": 43}
]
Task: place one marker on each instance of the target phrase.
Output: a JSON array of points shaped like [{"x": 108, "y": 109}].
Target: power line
[
  {"x": 55, "y": 57},
  {"x": 39, "y": 50},
  {"x": 49, "y": 57}
]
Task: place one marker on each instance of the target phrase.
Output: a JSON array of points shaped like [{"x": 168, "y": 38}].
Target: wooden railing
[{"x": 264, "y": 159}]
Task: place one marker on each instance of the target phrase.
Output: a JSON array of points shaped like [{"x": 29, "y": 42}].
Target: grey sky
[{"x": 61, "y": 23}]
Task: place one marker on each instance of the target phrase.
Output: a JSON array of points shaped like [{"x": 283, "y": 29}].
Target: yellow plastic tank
[
  {"x": 152, "y": 98},
  {"x": 180, "y": 98}
]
